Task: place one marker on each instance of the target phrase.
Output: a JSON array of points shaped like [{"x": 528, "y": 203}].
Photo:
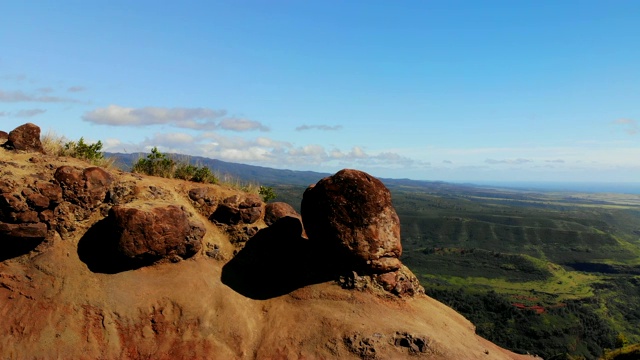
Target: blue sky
[{"x": 434, "y": 90}]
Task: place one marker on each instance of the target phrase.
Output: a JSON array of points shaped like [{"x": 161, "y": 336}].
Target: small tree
[
  {"x": 155, "y": 164},
  {"x": 267, "y": 193},
  {"x": 81, "y": 150}
]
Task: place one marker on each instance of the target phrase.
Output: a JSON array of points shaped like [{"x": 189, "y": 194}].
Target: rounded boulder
[
  {"x": 151, "y": 234},
  {"x": 352, "y": 211}
]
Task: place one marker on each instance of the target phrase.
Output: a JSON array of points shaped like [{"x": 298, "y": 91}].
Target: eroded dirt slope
[{"x": 65, "y": 299}]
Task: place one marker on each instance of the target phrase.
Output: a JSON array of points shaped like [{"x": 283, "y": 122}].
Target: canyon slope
[{"x": 104, "y": 264}]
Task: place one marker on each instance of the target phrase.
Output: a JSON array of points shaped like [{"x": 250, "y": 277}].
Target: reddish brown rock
[
  {"x": 88, "y": 187},
  {"x": 38, "y": 201},
  {"x": 235, "y": 210},
  {"x": 401, "y": 282},
  {"x": 12, "y": 203},
  {"x": 352, "y": 211},
  {"x": 204, "y": 199},
  {"x": 277, "y": 210},
  {"x": 3, "y": 137},
  {"x": 25, "y": 137},
  {"x": 52, "y": 192},
  {"x": 23, "y": 231},
  {"x": 157, "y": 233}
]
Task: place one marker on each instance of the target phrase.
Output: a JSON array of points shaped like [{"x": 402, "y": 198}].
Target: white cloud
[
  {"x": 29, "y": 113},
  {"x": 319, "y": 127},
  {"x": 186, "y": 118},
  {"x": 241, "y": 125},
  {"x": 76, "y": 89},
  {"x": 630, "y": 125},
  {"x": 508, "y": 161},
  {"x": 265, "y": 151},
  {"x": 19, "y": 96}
]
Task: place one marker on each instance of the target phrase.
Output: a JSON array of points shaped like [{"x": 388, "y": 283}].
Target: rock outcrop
[
  {"x": 277, "y": 210},
  {"x": 280, "y": 210},
  {"x": 3, "y": 137},
  {"x": 25, "y": 137},
  {"x": 236, "y": 210},
  {"x": 87, "y": 187},
  {"x": 161, "y": 232},
  {"x": 103, "y": 264},
  {"x": 352, "y": 211}
]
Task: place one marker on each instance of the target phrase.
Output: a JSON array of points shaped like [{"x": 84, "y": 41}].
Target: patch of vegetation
[
  {"x": 630, "y": 352},
  {"x": 570, "y": 330},
  {"x": 91, "y": 152},
  {"x": 267, "y": 193},
  {"x": 563, "y": 262},
  {"x": 159, "y": 164},
  {"x": 155, "y": 164}
]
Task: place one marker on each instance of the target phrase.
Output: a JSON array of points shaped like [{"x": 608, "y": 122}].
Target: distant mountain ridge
[
  {"x": 272, "y": 176},
  {"x": 261, "y": 174}
]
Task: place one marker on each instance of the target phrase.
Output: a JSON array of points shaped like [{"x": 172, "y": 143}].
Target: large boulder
[
  {"x": 87, "y": 188},
  {"x": 25, "y": 137},
  {"x": 156, "y": 233},
  {"x": 3, "y": 137},
  {"x": 352, "y": 212}
]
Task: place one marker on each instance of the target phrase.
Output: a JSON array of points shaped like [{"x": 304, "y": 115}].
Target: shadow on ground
[
  {"x": 98, "y": 250},
  {"x": 12, "y": 247},
  {"x": 277, "y": 260}
]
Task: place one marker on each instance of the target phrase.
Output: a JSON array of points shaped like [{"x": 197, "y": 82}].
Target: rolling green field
[{"x": 550, "y": 273}]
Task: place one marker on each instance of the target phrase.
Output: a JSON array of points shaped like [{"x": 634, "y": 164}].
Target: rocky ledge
[{"x": 101, "y": 263}]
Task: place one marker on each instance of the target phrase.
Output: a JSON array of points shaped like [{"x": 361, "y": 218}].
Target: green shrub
[
  {"x": 185, "y": 171},
  {"x": 204, "y": 175},
  {"x": 58, "y": 146},
  {"x": 159, "y": 164},
  {"x": 82, "y": 150},
  {"x": 155, "y": 164},
  {"x": 267, "y": 193}
]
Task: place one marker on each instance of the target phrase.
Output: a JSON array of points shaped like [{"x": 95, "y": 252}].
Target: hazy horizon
[{"x": 461, "y": 91}]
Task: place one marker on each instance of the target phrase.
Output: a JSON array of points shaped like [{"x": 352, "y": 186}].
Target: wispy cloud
[
  {"x": 75, "y": 89},
  {"x": 4, "y": 113},
  {"x": 19, "y": 96},
  {"x": 45, "y": 90},
  {"x": 19, "y": 77},
  {"x": 186, "y": 118},
  {"x": 29, "y": 113},
  {"x": 556, "y": 161},
  {"x": 508, "y": 161},
  {"x": 241, "y": 125},
  {"x": 631, "y": 126},
  {"x": 319, "y": 127}
]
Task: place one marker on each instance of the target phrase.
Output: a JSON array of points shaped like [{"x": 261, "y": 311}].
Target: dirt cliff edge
[{"x": 246, "y": 291}]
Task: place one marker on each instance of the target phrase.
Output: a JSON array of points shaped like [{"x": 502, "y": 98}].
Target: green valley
[{"x": 555, "y": 274}]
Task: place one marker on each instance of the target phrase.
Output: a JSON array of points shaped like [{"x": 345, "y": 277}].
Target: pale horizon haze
[{"x": 427, "y": 90}]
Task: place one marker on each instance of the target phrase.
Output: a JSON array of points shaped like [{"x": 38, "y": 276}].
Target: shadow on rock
[
  {"x": 277, "y": 260},
  {"x": 98, "y": 250}
]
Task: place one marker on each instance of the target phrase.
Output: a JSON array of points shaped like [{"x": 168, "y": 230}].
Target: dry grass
[
  {"x": 57, "y": 145},
  {"x": 237, "y": 184},
  {"x": 53, "y": 143}
]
